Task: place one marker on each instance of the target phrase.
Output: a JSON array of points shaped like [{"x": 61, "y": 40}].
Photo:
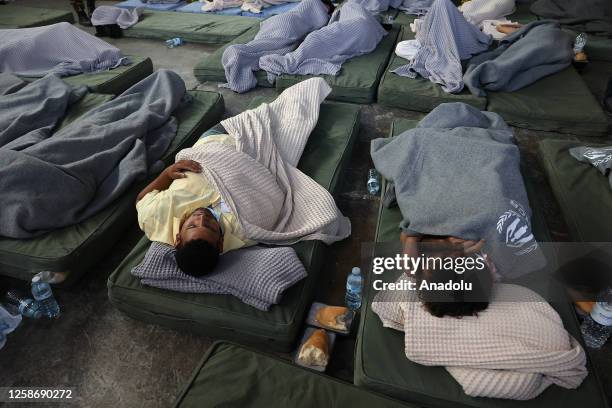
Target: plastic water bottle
[
  {"x": 373, "y": 182},
  {"x": 174, "y": 42},
  {"x": 354, "y": 283},
  {"x": 597, "y": 327},
  {"x": 26, "y": 307},
  {"x": 41, "y": 290}
]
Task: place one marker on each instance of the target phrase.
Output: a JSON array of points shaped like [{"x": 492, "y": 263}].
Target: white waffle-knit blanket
[
  {"x": 514, "y": 349},
  {"x": 274, "y": 202}
]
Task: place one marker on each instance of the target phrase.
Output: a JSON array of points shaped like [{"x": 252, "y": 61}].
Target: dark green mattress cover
[
  {"x": 234, "y": 376},
  {"x": 117, "y": 80},
  {"x": 224, "y": 316},
  {"x": 14, "y": 16},
  {"x": 381, "y": 365},
  {"x": 191, "y": 27},
  {"x": 359, "y": 77},
  {"x": 417, "y": 94},
  {"x": 561, "y": 102},
  {"x": 112, "y": 81},
  {"x": 583, "y": 193},
  {"x": 209, "y": 68},
  {"x": 73, "y": 250}
]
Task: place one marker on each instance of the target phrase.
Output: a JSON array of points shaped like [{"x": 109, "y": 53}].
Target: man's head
[
  {"x": 455, "y": 303},
  {"x": 199, "y": 243}
]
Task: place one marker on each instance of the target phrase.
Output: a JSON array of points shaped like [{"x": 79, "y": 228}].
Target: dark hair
[
  {"x": 454, "y": 303},
  {"x": 197, "y": 257}
]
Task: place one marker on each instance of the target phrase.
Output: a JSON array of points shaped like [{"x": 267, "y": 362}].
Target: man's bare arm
[{"x": 173, "y": 172}]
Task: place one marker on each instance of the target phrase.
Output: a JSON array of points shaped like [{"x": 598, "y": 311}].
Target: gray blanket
[
  {"x": 352, "y": 31},
  {"x": 124, "y": 18},
  {"x": 599, "y": 157},
  {"x": 458, "y": 174},
  {"x": 10, "y": 83},
  {"x": 60, "y": 49},
  {"x": 257, "y": 275},
  {"x": 591, "y": 16},
  {"x": 278, "y": 35},
  {"x": 535, "y": 51},
  {"x": 446, "y": 39},
  {"x": 50, "y": 181},
  {"x": 416, "y": 7}
]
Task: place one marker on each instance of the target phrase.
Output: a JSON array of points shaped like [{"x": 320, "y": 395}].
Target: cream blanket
[
  {"x": 514, "y": 349},
  {"x": 274, "y": 202}
]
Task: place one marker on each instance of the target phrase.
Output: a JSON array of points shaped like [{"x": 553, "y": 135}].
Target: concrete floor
[{"x": 112, "y": 360}]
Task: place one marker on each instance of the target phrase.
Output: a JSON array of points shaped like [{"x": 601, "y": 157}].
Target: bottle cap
[{"x": 356, "y": 271}]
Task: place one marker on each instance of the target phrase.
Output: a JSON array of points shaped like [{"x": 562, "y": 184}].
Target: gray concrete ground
[{"x": 112, "y": 360}]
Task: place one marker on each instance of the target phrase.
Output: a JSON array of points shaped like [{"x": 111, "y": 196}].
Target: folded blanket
[
  {"x": 477, "y": 11},
  {"x": 50, "y": 181},
  {"x": 278, "y": 35},
  {"x": 416, "y": 7},
  {"x": 599, "y": 157},
  {"x": 216, "y": 5},
  {"x": 60, "y": 49},
  {"x": 514, "y": 349},
  {"x": 458, "y": 174},
  {"x": 274, "y": 202},
  {"x": 446, "y": 39},
  {"x": 352, "y": 31},
  {"x": 124, "y": 18},
  {"x": 257, "y": 275},
  {"x": 591, "y": 16},
  {"x": 533, "y": 52}
]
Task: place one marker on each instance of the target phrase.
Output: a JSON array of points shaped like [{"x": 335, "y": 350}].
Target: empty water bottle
[
  {"x": 25, "y": 306},
  {"x": 174, "y": 42},
  {"x": 354, "y": 283},
  {"x": 373, "y": 182},
  {"x": 41, "y": 290},
  {"x": 597, "y": 326}
]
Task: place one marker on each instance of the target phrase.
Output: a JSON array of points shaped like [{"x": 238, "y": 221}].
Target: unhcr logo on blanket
[{"x": 514, "y": 225}]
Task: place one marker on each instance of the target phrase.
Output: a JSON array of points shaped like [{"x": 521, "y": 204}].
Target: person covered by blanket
[{"x": 182, "y": 208}]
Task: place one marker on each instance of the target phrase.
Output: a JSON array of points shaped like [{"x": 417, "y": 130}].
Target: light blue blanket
[
  {"x": 351, "y": 32},
  {"x": 277, "y": 35}
]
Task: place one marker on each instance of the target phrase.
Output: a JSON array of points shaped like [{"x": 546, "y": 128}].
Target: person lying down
[
  {"x": 496, "y": 340},
  {"x": 236, "y": 189}
]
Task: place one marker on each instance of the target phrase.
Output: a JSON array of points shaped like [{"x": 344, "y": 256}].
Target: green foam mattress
[
  {"x": 583, "y": 193},
  {"x": 359, "y": 77},
  {"x": 113, "y": 81},
  {"x": 234, "y": 376},
  {"x": 191, "y": 27},
  {"x": 381, "y": 365},
  {"x": 14, "y": 16},
  {"x": 357, "y": 81},
  {"x": 226, "y": 317},
  {"x": 73, "y": 250},
  {"x": 417, "y": 94}
]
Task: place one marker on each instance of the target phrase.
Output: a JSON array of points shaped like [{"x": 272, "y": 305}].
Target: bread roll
[
  {"x": 315, "y": 350},
  {"x": 333, "y": 317}
]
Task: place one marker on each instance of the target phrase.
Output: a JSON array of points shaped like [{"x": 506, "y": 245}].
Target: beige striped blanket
[
  {"x": 274, "y": 202},
  {"x": 514, "y": 349}
]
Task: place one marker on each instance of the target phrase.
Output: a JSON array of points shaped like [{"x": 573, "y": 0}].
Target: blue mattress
[
  {"x": 272, "y": 11},
  {"x": 158, "y": 7},
  {"x": 196, "y": 7}
]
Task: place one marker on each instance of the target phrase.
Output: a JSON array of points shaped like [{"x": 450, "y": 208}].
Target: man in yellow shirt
[{"x": 181, "y": 207}]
